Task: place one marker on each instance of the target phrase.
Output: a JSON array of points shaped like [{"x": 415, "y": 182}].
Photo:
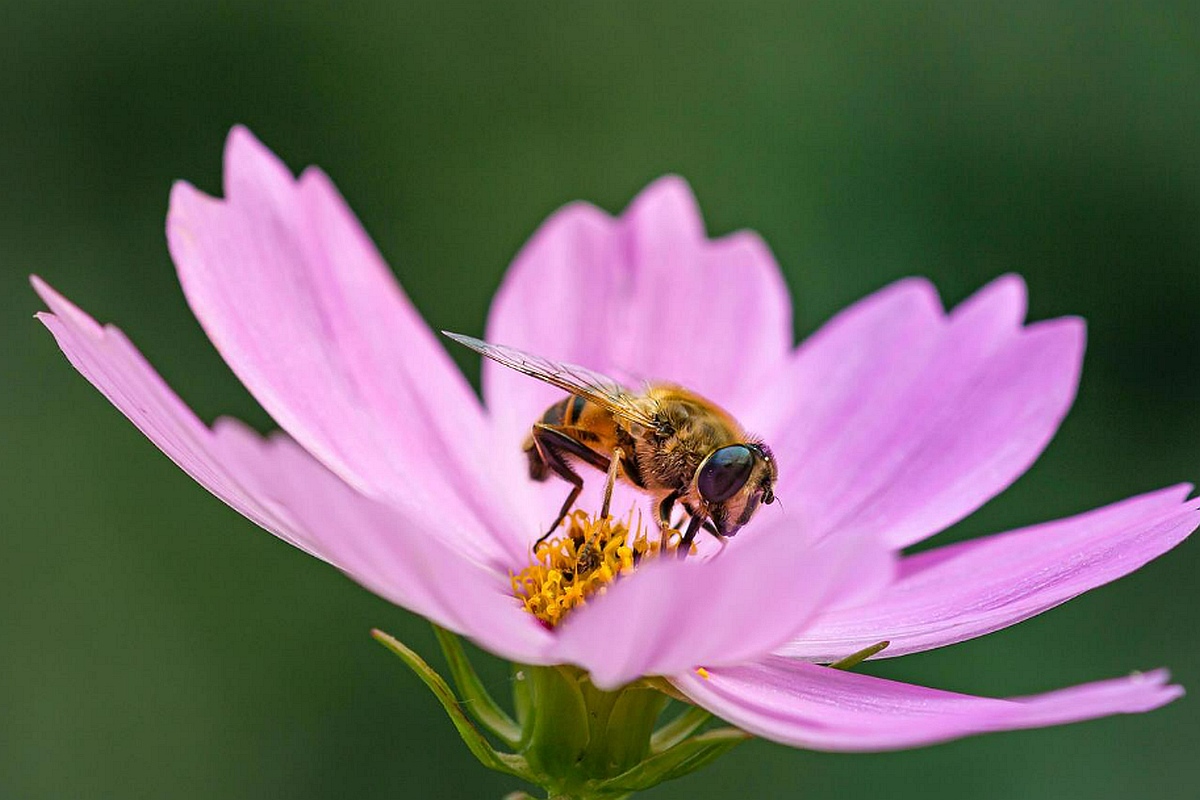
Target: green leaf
[
  {"x": 476, "y": 743},
  {"x": 682, "y": 759},
  {"x": 486, "y": 710}
]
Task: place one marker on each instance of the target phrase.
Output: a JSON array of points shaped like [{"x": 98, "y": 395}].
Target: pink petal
[
  {"x": 742, "y": 603},
  {"x": 645, "y": 296},
  {"x": 299, "y": 303},
  {"x": 111, "y": 363},
  {"x": 897, "y": 418},
  {"x": 968, "y": 589},
  {"x": 814, "y": 707},
  {"x": 390, "y": 550},
  {"x": 280, "y": 487}
]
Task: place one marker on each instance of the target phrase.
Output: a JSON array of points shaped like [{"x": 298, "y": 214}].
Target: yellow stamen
[
  {"x": 564, "y": 571},
  {"x": 702, "y": 672}
]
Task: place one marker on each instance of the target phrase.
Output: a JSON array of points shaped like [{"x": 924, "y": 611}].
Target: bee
[{"x": 666, "y": 441}]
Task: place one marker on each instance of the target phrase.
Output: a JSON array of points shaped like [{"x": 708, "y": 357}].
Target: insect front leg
[
  {"x": 685, "y": 544},
  {"x": 662, "y": 513},
  {"x": 554, "y": 446}
]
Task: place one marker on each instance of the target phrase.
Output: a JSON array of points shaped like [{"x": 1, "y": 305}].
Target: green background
[{"x": 153, "y": 644}]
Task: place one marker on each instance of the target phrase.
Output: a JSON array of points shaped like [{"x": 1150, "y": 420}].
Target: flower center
[{"x": 566, "y": 570}]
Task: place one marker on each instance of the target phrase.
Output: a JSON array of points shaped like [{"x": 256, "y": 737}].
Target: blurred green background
[{"x": 155, "y": 644}]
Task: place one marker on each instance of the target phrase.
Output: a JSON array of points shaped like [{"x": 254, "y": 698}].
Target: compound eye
[{"x": 725, "y": 472}]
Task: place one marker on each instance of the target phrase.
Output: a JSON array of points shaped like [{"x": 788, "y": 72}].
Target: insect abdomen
[{"x": 566, "y": 412}]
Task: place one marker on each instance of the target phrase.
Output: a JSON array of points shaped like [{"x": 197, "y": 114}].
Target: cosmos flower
[{"x": 892, "y": 422}]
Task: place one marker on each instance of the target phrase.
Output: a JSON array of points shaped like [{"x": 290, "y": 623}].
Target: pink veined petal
[
  {"x": 904, "y": 420},
  {"x": 645, "y": 296},
  {"x": 741, "y": 604},
  {"x": 301, "y": 306},
  {"x": 281, "y": 488},
  {"x": 805, "y": 705},
  {"x": 965, "y": 590}
]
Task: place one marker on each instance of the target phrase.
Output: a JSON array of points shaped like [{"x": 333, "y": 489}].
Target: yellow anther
[{"x": 566, "y": 570}]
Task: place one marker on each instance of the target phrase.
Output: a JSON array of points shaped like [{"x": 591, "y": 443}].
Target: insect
[{"x": 667, "y": 441}]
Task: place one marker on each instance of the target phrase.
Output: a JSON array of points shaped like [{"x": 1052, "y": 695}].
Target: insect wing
[{"x": 592, "y": 386}]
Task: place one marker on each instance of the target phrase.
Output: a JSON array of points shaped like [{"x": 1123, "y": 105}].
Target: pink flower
[{"x": 891, "y": 423}]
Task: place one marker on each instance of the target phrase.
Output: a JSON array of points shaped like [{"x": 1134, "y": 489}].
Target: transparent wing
[{"x": 592, "y": 386}]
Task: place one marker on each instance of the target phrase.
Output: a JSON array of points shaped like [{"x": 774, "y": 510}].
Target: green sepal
[
  {"x": 557, "y": 722},
  {"x": 599, "y": 704},
  {"x": 573, "y": 739},
  {"x": 630, "y": 725},
  {"x": 675, "y": 762},
  {"x": 476, "y": 743},
  {"x": 522, "y": 691},
  {"x": 476, "y": 699},
  {"x": 679, "y": 728}
]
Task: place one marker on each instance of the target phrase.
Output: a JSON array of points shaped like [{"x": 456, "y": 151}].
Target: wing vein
[{"x": 580, "y": 381}]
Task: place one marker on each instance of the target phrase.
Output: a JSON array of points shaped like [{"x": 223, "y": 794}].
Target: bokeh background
[{"x": 154, "y": 644}]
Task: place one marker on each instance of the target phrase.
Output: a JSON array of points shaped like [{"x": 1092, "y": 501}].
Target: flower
[{"x": 892, "y": 422}]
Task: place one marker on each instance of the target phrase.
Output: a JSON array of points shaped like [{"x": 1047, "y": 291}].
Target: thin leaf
[
  {"x": 475, "y": 697},
  {"x": 479, "y": 746}
]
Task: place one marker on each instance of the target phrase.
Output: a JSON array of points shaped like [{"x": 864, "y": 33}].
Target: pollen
[{"x": 566, "y": 570}]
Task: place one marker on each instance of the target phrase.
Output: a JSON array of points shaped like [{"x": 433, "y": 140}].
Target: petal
[
  {"x": 740, "y": 604},
  {"x": 903, "y": 420},
  {"x": 805, "y": 705},
  {"x": 282, "y": 488},
  {"x": 111, "y": 363},
  {"x": 975, "y": 587},
  {"x": 301, "y": 306},
  {"x": 390, "y": 550},
  {"x": 645, "y": 296}
]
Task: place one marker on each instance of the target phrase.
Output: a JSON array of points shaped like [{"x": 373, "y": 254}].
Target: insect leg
[
  {"x": 554, "y": 446},
  {"x": 685, "y": 544},
  {"x": 589, "y": 555},
  {"x": 613, "y": 466},
  {"x": 663, "y": 518},
  {"x": 664, "y": 509}
]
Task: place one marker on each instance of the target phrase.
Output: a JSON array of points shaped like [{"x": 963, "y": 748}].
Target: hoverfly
[{"x": 666, "y": 441}]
